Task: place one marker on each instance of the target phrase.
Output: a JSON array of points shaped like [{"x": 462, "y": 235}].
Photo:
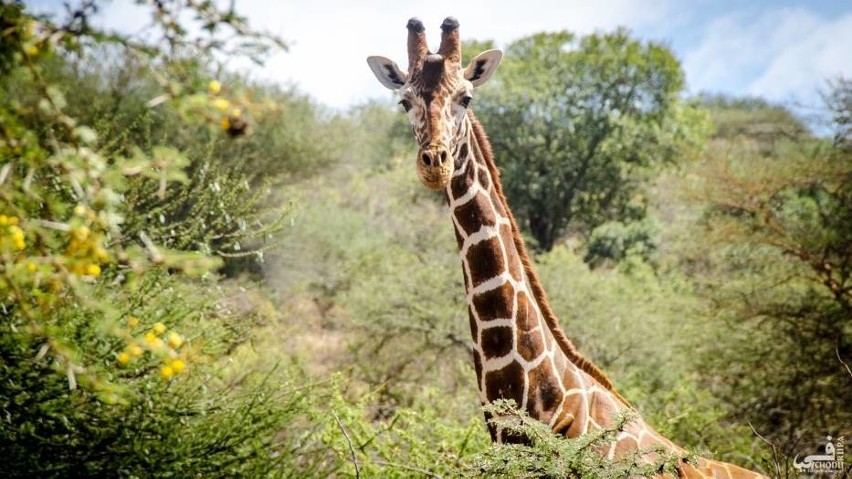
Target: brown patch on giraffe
[
  {"x": 626, "y": 445},
  {"x": 573, "y": 405},
  {"x": 545, "y": 392},
  {"x": 529, "y": 344},
  {"x": 477, "y": 365},
  {"x": 515, "y": 267},
  {"x": 459, "y": 238},
  {"x": 506, "y": 383},
  {"x": 498, "y": 202},
  {"x": 482, "y": 177},
  {"x": 460, "y": 184},
  {"x": 475, "y": 214},
  {"x": 525, "y": 316},
  {"x": 560, "y": 362},
  {"x": 463, "y": 152},
  {"x": 496, "y": 342},
  {"x": 485, "y": 261},
  {"x": 602, "y": 407},
  {"x": 474, "y": 328},
  {"x": 496, "y": 303}
]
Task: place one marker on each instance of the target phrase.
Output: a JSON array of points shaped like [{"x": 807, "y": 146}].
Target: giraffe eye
[
  {"x": 406, "y": 105},
  {"x": 465, "y": 101}
]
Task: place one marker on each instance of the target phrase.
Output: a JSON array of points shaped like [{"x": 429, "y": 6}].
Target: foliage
[
  {"x": 171, "y": 410},
  {"x": 410, "y": 442},
  {"x": 753, "y": 118},
  {"x": 577, "y": 124},
  {"x": 108, "y": 344},
  {"x": 615, "y": 241},
  {"x": 775, "y": 259},
  {"x": 549, "y": 455}
]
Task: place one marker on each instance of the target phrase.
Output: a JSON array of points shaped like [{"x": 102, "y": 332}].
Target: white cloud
[
  {"x": 782, "y": 54},
  {"x": 330, "y": 39},
  {"x": 801, "y": 68}
]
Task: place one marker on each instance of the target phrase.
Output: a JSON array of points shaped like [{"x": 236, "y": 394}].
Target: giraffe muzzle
[{"x": 435, "y": 166}]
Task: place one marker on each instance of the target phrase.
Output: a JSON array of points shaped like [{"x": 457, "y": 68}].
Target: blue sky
[{"x": 782, "y": 50}]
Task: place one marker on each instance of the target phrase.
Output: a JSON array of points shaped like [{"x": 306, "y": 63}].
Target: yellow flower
[
  {"x": 221, "y": 104},
  {"x": 135, "y": 350},
  {"x": 178, "y": 365},
  {"x": 236, "y": 113},
  {"x": 31, "y": 50},
  {"x": 80, "y": 210},
  {"x": 167, "y": 372},
  {"x": 4, "y": 220},
  {"x": 150, "y": 337},
  {"x": 133, "y": 321},
  {"x": 123, "y": 357},
  {"x": 81, "y": 233},
  {"x": 175, "y": 340},
  {"x": 225, "y": 123},
  {"x": 101, "y": 254},
  {"x": 215, "y": 87},
  {"x": 159, "y": 328},
  {"x": 93, "y": 270},
  {"x": 31, "y": 267}
]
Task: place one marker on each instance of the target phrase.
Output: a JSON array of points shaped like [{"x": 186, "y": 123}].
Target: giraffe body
[{"x": 520, "y": 352}]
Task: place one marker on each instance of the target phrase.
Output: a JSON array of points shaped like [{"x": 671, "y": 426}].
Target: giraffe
[{"x": 520, "y": 351}]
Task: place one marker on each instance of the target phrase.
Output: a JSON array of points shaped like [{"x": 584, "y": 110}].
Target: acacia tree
[
  {"x": 577, "y": 125},
  {"x": 775, "y": 259}
]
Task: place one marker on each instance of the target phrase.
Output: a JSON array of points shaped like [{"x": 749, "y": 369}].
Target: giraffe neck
[{"x": 520, "y": 351}]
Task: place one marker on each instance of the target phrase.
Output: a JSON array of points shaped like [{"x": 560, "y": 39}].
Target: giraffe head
[{"x": 435, "y": 92}]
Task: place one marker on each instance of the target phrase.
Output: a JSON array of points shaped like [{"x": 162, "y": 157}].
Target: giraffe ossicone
[{"x": 520, "y": 351}]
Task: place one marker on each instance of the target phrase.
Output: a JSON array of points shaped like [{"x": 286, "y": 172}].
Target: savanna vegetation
[{"x": 198, "y": 279}]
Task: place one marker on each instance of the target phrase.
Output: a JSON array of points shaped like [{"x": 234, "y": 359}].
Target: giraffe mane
[{"x": 540, "y": 295}]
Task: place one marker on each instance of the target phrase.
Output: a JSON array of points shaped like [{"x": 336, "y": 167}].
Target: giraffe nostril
[
  {"x": 443, "y": 157},
  {"x": 426, "y": 160}
]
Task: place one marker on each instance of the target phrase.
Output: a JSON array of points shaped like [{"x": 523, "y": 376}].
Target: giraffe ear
[
  {"x": 480, "y": 69},
  {"x": 387, "y": 72}
]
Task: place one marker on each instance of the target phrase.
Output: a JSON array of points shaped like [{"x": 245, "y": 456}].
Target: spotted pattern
[{"x": 515, "y": 353}]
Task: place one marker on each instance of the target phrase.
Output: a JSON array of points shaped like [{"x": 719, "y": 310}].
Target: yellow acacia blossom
[
  {"x": 159, "y": 328},
  {"x": 135, "y": 350},
  {"x": 16, "y": 233},
  {"x": 178, "y": 365},
  {"x": 175, "y": 340},
  {"x": 81, "y": 233},
  {"x": 221, "y": 104},
  {"x": 133, "y": 321},
  {"x": 215, "y": 87},
  {"x": 167, "y": 371},
  {"x": 93, "y": 270},
  {"x": 31, "y": 49},
  {"x": 123, "y": 357}
]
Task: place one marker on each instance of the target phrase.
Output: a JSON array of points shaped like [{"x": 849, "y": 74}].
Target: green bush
[{"x": 113, "y": 341}]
